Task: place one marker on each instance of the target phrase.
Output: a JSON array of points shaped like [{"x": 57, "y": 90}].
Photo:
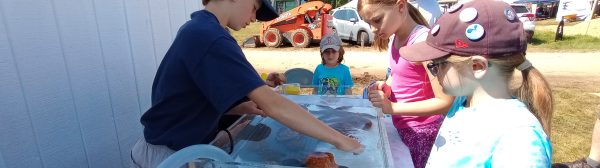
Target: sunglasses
[{"x": 434, "y": 68}]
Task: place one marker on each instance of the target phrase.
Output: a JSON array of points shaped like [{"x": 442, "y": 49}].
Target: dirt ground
[{"x": 373, "y": 63}]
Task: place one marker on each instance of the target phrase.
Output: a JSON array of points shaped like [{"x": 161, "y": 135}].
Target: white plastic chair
[{"x": 193, "y": 152}]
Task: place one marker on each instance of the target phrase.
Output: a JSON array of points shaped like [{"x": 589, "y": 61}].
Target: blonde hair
[
  {"x": 415, "y": 15},
  {"x": 534, "y": 91}
]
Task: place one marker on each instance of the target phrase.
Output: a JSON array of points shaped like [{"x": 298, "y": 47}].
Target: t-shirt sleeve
[
  {"x": 223, "y": 74},
  {"x": 315, "y": 79},
  {"x": 349, "y": 83},
  {"x": 523, "y": 147}
]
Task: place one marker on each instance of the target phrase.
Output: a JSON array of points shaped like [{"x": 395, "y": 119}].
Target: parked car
[
  {"x": 527, "y": 18},
  {"x": 349, "y": 26}
]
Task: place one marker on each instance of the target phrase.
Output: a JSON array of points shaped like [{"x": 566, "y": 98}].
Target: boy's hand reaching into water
[
  {"x": 350, "y": 145},
  {"x": 379, "y": 95}
]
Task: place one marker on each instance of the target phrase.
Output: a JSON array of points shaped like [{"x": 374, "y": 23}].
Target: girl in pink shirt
[{"x": 417, "y": 103}]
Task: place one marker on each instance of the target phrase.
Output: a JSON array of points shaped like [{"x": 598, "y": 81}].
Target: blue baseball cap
[{"x": 266, "y": 11}]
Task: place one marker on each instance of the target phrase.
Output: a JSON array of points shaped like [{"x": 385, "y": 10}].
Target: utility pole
[
  {"x": 594, "y": 6},
  {"x": 589, "y": 18}
]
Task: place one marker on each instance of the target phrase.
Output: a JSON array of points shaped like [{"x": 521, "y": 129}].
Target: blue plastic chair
[
  {"x": 299, "y": 75},
  {"x": 193, "y": 152}
]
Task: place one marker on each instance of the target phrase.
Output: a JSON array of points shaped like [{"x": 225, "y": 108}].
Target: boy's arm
[{"x": 298, "y": 119}]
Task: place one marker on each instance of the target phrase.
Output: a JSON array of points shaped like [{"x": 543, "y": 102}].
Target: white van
[
  {"x": 527, "y": 18},
  {"x": 349, "y": 26}
]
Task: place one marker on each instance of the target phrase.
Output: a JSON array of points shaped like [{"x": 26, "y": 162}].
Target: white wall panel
[
  {"x": 77, "y": 75},
  {"x": 36, "y": 45}
]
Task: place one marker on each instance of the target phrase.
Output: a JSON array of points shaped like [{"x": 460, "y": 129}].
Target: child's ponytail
[
  {"x": 415, "y": 15},
  {"x": 534, "y": 90},
  {"x": 536, "y": 94}
]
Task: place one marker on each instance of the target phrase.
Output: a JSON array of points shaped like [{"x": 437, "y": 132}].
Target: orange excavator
[{"x": 300, "y": 26}]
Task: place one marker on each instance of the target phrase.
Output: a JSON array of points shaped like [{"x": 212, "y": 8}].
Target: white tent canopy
[{"x": 581, "y": 8}]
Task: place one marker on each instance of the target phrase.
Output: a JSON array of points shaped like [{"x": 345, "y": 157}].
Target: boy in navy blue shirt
[{"x": 205, "y": 75}]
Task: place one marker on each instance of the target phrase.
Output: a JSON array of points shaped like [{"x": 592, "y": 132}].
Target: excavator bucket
[{"x": 251, "y": 42}]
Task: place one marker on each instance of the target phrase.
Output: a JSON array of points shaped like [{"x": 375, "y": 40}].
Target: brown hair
[
  {"x": 340, "y": 58},
  {"x": 415, "y": 15},
  {"x": 534, "y": 90},
  {"x": 204, "y": 2}
]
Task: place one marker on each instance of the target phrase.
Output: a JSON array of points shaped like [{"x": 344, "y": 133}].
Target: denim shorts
[{"x": 144, "y": 154}]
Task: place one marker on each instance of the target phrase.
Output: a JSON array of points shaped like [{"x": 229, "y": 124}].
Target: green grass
[
  {"x": 551, "y": 21},
  {"x": 544, "y": 41},
  {"x": 590, "y": 28},
  {"x": 574, "y": 113}
]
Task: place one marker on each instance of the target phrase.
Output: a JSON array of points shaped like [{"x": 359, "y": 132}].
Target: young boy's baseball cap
[
  {"x": 266, "y": 11},
  {"x": 331, "y": 41},
  {"x": 488, "y": 28}
]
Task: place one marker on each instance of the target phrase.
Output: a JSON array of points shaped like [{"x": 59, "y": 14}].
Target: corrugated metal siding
[
  {"x": 2, "y": 160},
  {"x": 75, "y": 76}
]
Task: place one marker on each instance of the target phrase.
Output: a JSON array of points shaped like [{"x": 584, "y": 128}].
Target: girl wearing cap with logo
[
  {"x": 331, "y": 76},
  {"x": 473, "y": 51},
  {"x": 205, "y": 75},
  {"x": 414, "y": 100}
]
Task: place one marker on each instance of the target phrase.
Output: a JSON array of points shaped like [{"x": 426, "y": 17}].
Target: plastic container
[{"x": 267, "y": 143}]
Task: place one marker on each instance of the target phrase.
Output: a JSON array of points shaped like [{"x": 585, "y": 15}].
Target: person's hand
[
  {"x": 350, "y": 145},
  {"x": 248, "y": 107},
  {"x": 373, "y": 85},
  {"x": 379, "y": 96},
  {"x": 380, "y": 86},
  {"x": 275, "y": 79}
]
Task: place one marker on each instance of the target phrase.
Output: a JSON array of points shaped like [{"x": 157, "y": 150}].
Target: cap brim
[
  {"x": 266, "y": 12},
  {"x": 421, "y": 52},
  {"x": 334, "y": 47}
]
